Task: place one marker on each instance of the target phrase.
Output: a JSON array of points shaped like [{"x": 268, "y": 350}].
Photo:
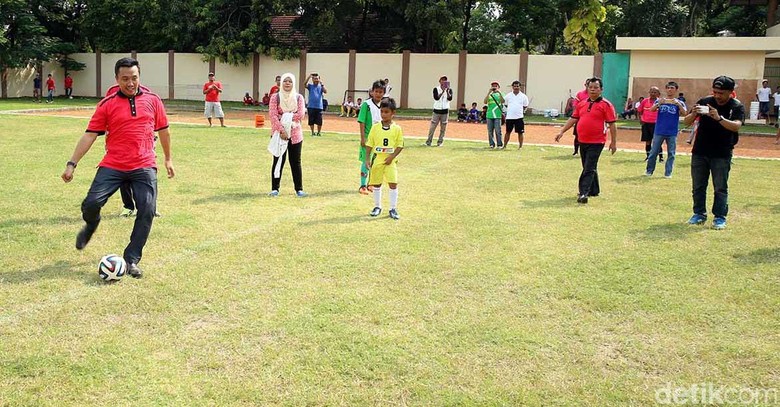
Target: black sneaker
[
  {"x": 134, "y": 271},
  {"x": 583, "y": 199},
  {"x": 660, "y": 158},
  {"x": 376, "y": 211},
  {"x": 394, "y": 214},
  {"x": 83, "y": 237}
]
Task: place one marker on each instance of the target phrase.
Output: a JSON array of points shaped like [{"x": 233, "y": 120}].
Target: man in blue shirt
[
  {"x": 666, "y": 127},
  {"x": 314, "y": 107}
]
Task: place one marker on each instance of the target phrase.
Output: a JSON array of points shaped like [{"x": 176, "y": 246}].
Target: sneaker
[
  {"x": 648, "y": 174},
  {"x": 492, "y": 147},
  {"x": 135, "y": 271},
  {"x": 157, "y": 214},
  {"x": 126, "y": 212},
  {"x": 438, "y": 144},
  {"x": 273, "y": 193},
  {"x": 697, "y": 219},
  {"x": 394, "y": 214},
  {"x": 583, "y": 199},
  {"x": 719, "y": 223},
  {"x": 318, "y": 134},
  {"x": 301, "y": 194},
  {"x": 376, "y": 211},
  {"x": 668, "y": 176},
  {"x": 83, "y": 237},
  {"x": 660, "y": 159},
  {"x": 363, "y": 190},
  {"x": 426, "y": 144}
]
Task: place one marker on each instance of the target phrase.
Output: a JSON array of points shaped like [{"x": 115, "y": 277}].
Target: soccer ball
[{"x": 112, "y": 267}]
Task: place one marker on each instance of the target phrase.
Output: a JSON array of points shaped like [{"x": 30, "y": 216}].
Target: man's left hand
[
  {"x": 714, "y": 114},
  {"x": 389, "y": 160},
  {"x": 612, "y": 147},
  {"x": 169, "y": 168}
]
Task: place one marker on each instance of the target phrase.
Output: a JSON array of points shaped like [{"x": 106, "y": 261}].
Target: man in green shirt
[{"x": 494, "y": 101}]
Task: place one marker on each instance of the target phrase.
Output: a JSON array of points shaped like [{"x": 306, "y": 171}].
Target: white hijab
[{"x": 288, "y": 101}]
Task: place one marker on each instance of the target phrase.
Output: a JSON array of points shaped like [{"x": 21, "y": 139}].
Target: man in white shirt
[
  {"x": 516, "y": 102},
  {"x": 763, "y": 99},
  {"x": 776, "y": 96}
]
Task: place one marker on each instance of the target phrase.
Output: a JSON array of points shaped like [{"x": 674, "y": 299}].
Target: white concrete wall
[
  {"x": 84, "y": 80},
  {"x": 551, "y": 78},
  {"x": 334, "y": 72},
  {"x": 20, "y": 82},
  {"x": 483, "y": 69},
  {"x": 190, "y": 73},
  {"x": 370, "y": 67},
  {"x": 154, "y": 72},
  {"x": 108, "y": 78},
  {"x": 236, "y": 80},
  {"x": 270, "y": 68},
  {"x": 424, "y": 73}
]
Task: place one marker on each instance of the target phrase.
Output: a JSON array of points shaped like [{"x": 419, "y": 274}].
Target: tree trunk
[
  {"x": 467, "y": 17},
  {"x": 358, "y": 46},
  {"x": 771, "y": 13},
  {"x": 4, "y": 83}
]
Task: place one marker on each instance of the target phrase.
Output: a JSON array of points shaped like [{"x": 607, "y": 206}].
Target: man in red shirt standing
[
  {"x": 648, "y": 118},
  {"x": 579, "y": 97},
  {"x": 592, "y": 117},
  {"x": 212, "y": 89},
  {"x": 68, "y": 86},
  {"x": 50, "y": 86},
  {"x": 132, "y": 116}
]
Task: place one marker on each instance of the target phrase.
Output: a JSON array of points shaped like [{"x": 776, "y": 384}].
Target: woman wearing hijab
[{"x": 286, "y": 110}]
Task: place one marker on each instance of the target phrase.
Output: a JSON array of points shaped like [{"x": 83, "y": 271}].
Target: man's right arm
[{"x": 82, "y": 147}]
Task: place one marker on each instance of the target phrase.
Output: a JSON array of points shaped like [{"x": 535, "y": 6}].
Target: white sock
[
  {"x": 393, "y": 198},
  {"x": 378, "y": 196}
]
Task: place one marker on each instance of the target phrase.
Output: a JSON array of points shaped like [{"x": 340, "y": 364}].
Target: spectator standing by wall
[
  {"x": 516, "y": 102},
  {"x": 212, "y": 89},
  {"x": 442, "y": 96},
  {"x": 50, "y": 87},
  {"x": 37, "y": 88},
  {"x": 494, "y": 101},
  {"x": 68, "y": 86},
  {"x": 762, "y": 95},
  {"x": 648, "y": 119}
]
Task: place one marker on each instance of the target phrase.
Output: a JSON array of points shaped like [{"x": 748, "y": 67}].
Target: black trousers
[
  {"x": 294, "y": 151},
  {"x": 589, "y": 179},
  {"x": 143, "y": 183},
  {"x": 127, "y": 196},
  {"x": 576, "y": 139}
]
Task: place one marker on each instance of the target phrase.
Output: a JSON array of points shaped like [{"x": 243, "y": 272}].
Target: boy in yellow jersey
[
  {"x": 368, "y": 115},
  {"x": 385, "y": 140}
]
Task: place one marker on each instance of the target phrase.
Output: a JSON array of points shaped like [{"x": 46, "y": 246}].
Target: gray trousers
[{"x": 436, "y": 119}]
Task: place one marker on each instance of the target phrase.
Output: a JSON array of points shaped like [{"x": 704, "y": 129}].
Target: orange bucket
[{"x": 259, "y": 120}]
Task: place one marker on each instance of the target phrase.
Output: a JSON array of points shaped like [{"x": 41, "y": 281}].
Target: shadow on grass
[
  {"x": 622, "y": 160},
  {"x": 338, "y": 221},
  {"x": 57, "y": 220},
  {"x": 335, "y": 193},
  {"x": 669, "y": 231},
  {"x": 564, "y": 157},
  {"x": 760, "y": 256},
  {"x": 54, "y": 271},
  {"x": 236, "y": 196},
  {"x": 632, "y": 180},
  {"x": 550, "y": 203}
]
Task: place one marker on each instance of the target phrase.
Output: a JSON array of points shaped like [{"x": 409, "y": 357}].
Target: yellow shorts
[{"x": 380, "y": 172}]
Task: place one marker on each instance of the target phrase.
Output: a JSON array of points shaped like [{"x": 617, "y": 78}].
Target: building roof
[{"x": 765, "y": 44}]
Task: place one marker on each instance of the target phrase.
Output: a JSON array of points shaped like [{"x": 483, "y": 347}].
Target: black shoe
[
  {"x": 134, "y": 271},
  {"x": 83, "y": 237},
  {"x": 394, "y": 214},
  {"x": 660, "y": 158},
  {"x": 593, "y": 195},
  {"x": 376, "y": 211},
  {"x": 583, "y": 199},
  {"x": 574, "y": 153}
]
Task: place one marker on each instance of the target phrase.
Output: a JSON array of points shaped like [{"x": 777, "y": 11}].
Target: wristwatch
[
  {"x": 71, "y": 163},
  {"x": 721, "y": 119}
]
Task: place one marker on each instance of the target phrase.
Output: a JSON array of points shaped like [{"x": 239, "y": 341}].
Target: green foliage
[
  {"x": 23, "y": 40},
  {"x": 581, "y": 33}
]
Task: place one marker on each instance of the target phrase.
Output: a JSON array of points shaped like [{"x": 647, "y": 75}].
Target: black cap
[{"x": 723, "y": 83}]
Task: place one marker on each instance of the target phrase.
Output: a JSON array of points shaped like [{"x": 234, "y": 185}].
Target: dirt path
[{"x": 628, "y": 139}]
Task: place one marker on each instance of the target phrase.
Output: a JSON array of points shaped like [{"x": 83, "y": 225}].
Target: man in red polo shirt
[
  {"x": 132, "y": 116},
  {"x": 579, "y": 97},
  {"x": 212, "y": 89},
  {"x": 592, "y": 117},
  {"x": 648, "y": 117},
  {"x": 68, "y": 86}
]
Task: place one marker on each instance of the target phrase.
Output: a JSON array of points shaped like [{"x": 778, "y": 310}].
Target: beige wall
[
  {"x": 20, "y": 82},
  {"x": 270, "y": 68},
  {"x": 191, "y": 72},
  {"x": 333, "y": 70},
  {"x": 108, "y": 79},
  {"x": 695, "y": 70},
  {"x": 552, "y": 78},
  {"x": 236, "y": 80},
  {"x": 425, "y": 70},
  {"x": 154, "y": 72},
  {"x": 370, "y": 67},
  {"x": 84, "y": 80},
  {"x": 483, "y": 69}
]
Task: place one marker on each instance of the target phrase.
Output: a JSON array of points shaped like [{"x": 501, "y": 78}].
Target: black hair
[
  {"x": 516, "y": 83},
  {"x": 388, "y": 103},
  {"x": 596, "y": 79},
  {"x": 126, "y": 63},
  {"x": 673, "y": 83},
  {"x": 378, "y": 84}
]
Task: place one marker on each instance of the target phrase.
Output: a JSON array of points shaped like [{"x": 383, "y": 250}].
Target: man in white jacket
[{"x": 442, "y": 95}]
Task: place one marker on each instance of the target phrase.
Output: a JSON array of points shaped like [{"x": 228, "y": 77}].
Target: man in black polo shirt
[{"x": 720, "y": 117}]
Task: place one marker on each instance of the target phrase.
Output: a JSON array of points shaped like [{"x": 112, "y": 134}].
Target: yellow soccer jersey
[{"x": 384, "y": 142}]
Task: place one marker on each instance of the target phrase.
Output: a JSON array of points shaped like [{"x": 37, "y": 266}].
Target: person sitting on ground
[
  {"x": 463, "y": 113},
  {"x": 630, "y": 110},
  {"x": 266, "y": 99},
  {"x": 473, "y": 116},
  {"x": 357, "y": 106},
  {"x": 483, "y": 115},
  {"x": 348, "y": 108},
  {"x": 248, "y": 100}
]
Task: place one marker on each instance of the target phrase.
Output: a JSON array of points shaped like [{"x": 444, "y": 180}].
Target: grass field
[{"x": 494, "y": 288}]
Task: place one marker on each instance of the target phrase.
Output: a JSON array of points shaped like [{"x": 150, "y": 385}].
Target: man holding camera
[
  {"x": 315, "y": 107},
  {"x": 720, "y": 118},
  {"x": 442, "y": 95}
]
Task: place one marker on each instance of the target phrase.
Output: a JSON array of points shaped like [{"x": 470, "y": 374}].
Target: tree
[
  {"x": 22, "y": 39},
  {"x": 581, "y": 33}
]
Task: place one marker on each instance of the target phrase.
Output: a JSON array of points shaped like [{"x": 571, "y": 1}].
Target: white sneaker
[
  {"x": 648, "y": 174},
  {"x": 668, "y": 176}
]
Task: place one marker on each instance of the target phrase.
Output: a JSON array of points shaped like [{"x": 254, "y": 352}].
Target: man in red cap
[{"x": 442, "y": 95}]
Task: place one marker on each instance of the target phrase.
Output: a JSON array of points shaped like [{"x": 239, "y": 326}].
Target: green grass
[{"x": 494, "y": 288}]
